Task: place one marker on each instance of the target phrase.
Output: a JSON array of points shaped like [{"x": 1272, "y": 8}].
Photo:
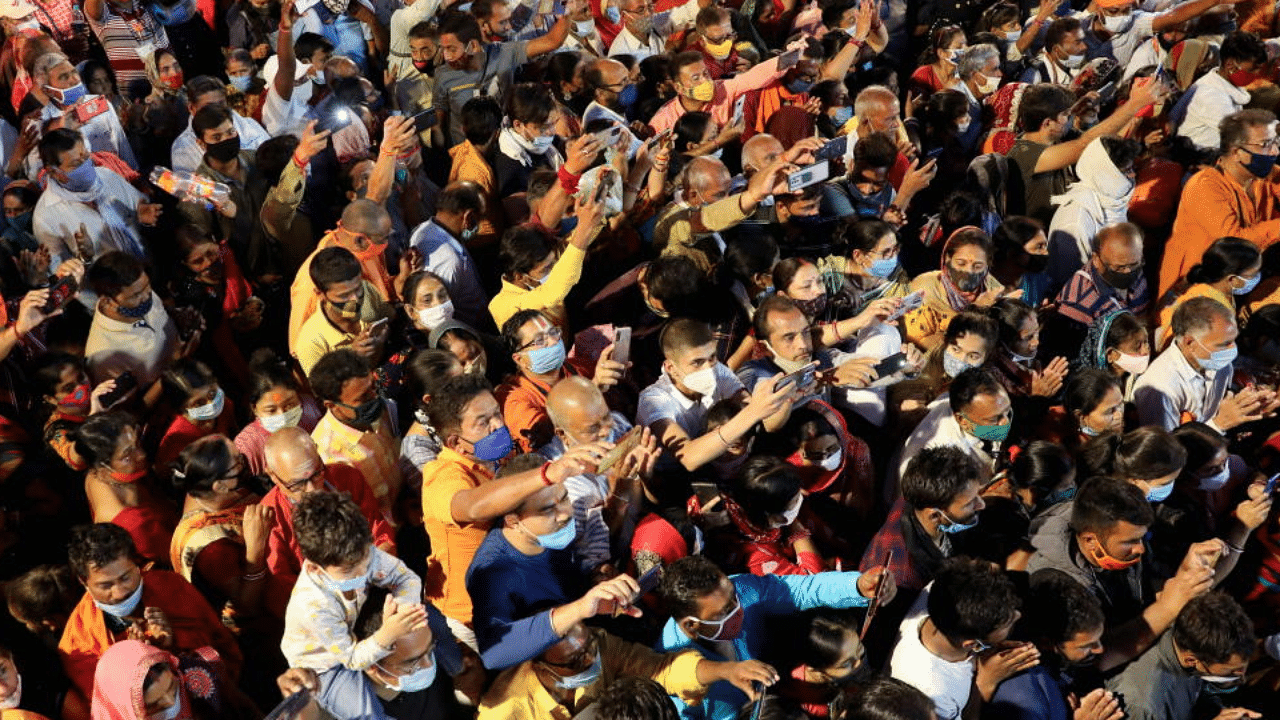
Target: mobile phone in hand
[
  {"x": 621, "y": 345},
  {"x": 891, "y": 365},
  {"x": 291, "y": 707},
  {"x": 806, "y": 176},
  {"x": 125, "y": 383},
  {"x": 60, "y": 292}
]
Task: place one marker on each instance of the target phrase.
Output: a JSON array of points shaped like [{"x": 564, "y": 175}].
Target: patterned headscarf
[
  {"x": 1093, "y": 351},
  {"x": 1005, "y": 130},
  {"x": 957, "y": 298},
  {"x": 1183, "y": 59}
]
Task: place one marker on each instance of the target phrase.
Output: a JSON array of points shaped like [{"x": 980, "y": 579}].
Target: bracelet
[
  {"x": 543, "y": 473},
  {"x": 721, "y": 436},
  {"x": 388, "y": 153},
  {"x": 1233, "y": 548},
  {"x": 568, "y": 180},
  {"x": 300, "y": 163},
  {"x": 253, "y": 577}
]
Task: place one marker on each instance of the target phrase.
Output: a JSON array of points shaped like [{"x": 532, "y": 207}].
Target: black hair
[
  {"x": 511, "y": 328},
  {"x": 635, "y": 698},
  {"x": 205, "y": 84},
  {"x": 1010, "y": 314},
  {"x": 671, "y": 279},
  {"x": 44, "y": 593},
  {"x": 481, "y": 119},
  {"x": 1058, "y": 30},
  {"x": 684, "y": 334},
  {"x": 1085, "y": 390},
  {"x": 54, "y": 143},
  {"x": 98, "y": 436},
  {"x": 523, "y": 247},
  {"x": 865, "y": 235},
  {"x": 1042, "y": 102},
  {"x": 28, "y": 195},
  {"x": 202, "y": 463},
  {"x": 971, "y": 322},
  {"x": 1234, "y": 128},
  {"x": 333, "y": 265},
  {"x": 971, "y": 599},
  {"x": 689, "y": 130},
  {"x": 530, "y": 103},
  {"x": 114, "y": 271},
  {"x": 1146, "y": 453},
  {"x": 786, "y": 269},
  {"x": 821, "y": 643},
  {"x": 428, "y": 371},
  {"x": 939, "y": 37},
  {"x": 1122, "y": 151},
  {"x": 452, "y": 398},
  {"x": 971, "y": 383},
  {"x": 1214, "y": 628},
  {"x": 97, "y": 546},
  {"x": 267, "y": 371},
  {"x": 1042, "y": 467},
  {"x": 685, "y": 582},
  {"x": 463, "y": 26},
  {"x": 183, "y": 378},
  {"x": 457, "y": 198},
  {"x": 1101, "y": 502},
  {"x": 770, "y": 306},
  {"x": 765, "y": 486},
  {"x": 887, "y": 698},
  {"x": 1123, "y": 328},
  {"x": 1201, "y": 442},
  {"x": 1243, "y": 46},
  {"x": 274, "y": 154},
  {"x": 208, "y": 118},
  {"x": 1060, "y": 608},
  {"x": 333, "y": 370},
  {"x": 308, "y": 43},
  {"x": 1011, "y": 237},
  {"x": 1225, "y": 257},
  {"x": 46, "y": 373},
  {"x": 331, "y": 530},
  {"x": 936, "y": 475},
  {"x": 876, "y": 150}
]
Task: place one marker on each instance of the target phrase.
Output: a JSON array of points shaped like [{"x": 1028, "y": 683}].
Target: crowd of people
[{"x": 639, "y": 359}]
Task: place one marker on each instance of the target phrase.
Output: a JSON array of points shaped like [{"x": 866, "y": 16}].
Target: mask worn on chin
[
  {"x": 558, "y": 540},
  {"x": 427, "y": 68},
  {"x": 1120, "y": 280},
  {"x": 702, "y": 92},
  {"x": 727, "y": 628},
  {"x": 125, "y": 607},
  {"x": 368, "y": 412},
  {"x": 82, "y": 178},
  {"x": 224, "y": 150},
  {"x": 952, "y": 527},
  {"x": 1216, "y": 481},
  {"x": 432, "y": 317},
  {"x": 1259, "y": 165},
  {"x": 242, "y": 82},
  {"x": 137, "y": 311},
  {"x": 15, "y": 698},
  {"x": 349, "y": 310},
  {"x": 1133, "y": 364},
  {"x": 989, "y": 84},
  {"x": 799, "y": 85},
  {"x": 1221, "y": 684},
  {"x": 842, "y": 115},
  {"x": 966, "y": 281},
  {"x": 66, "y": 97},
  {"x": 1106, "y": 562},
  {"x": 583, "y": 679},
  {"x": 1058, "y": 496},
  {"x": 815, "y": 307},
  {"x": 720, "y": 50},
  {"x": 279, "y": 421},
  {"x": 1037, "y": 263}
]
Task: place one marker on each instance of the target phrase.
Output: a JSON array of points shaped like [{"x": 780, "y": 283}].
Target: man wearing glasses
[{"x": 645, "y": 32}]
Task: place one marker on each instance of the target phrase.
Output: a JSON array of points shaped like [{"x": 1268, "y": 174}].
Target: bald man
[
  {"x": 763, "y": 150},
  {"x": 363, "y": 229},
  {"x": 1113, "y": 279},
  {"x": 613, "y": 91},
  {"x": 876, "y": 110},
  {"x": 606, "y": 506},
  {"x": 295, "y": 469}
]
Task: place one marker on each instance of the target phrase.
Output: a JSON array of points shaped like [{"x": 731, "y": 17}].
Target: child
[{"x": 339, "y": 564}]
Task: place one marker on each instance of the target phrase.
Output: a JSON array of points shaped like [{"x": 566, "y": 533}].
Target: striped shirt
[
  {"x": 1086, "y": 297},
  {"x": 127, "y": 39}
]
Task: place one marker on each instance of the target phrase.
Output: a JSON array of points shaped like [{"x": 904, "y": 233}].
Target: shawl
[
  {"x": 1101, "y": 190},
  {"x": 957, "y": 298},
  {"x": 1093, "y": 351},
  {"x": 1005, "y": 130},
  {"x": 200, "y": 529}
]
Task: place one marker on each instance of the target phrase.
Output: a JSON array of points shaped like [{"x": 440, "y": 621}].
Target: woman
[
  {"x": 1118, "y": 343},
  {"x": 137, "y": 681},
  {"x": 764, "y": 537},
  {"x": 32, "y": 687},
  {"x": 1004, "y": 20},
  {"x": 937, "y": 70},
  {"x": 203, "y": 409},
  {"x": 1050, "y": 471},
  {"x": 799, "y": 279},
  {"x": 1021, "y": 258},
  {"x": 100, "y": 79},
  {"x": 247, "y": 90},
  {"x": 42, "y": 599},
  {"x": 835, "y": 108},
  {"x": 60, "y": 380},
  {"x": 833, "y": 464},
  {"x": 965, "y": 280},
  {"x": 19, "y": 198},
  {"x": 1092, "y": 405},
  {"x": 695, "y": 134},
  {"x": 747, "y": 268},
  {"x": 1149, "y": 458},
  {"x": 277, "y": 402},
  {"x": 1230, "y": 266},
  {"x": 564, "y": 75},
  {"x": 481, "y": 354},
  {"x": 827, "y": 658},
  {"x": 944, "y": 119},
  {"x": 209, "y": 279},
  {"x": 157, "y": 121},
  {"x": 427, "y": 306},
  {"x": 872, "y": 269},
  {"x": 970, "y": 339},
  {"x": 1016, "y": 365},
  {"x": 220, "y": 544},
  {"x": 117, "y": 486},
  {"x": 427, "y": 372}
]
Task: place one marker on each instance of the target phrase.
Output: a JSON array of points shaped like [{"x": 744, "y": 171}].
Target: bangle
[
  {"x": 253, "y": 577},
  {"x": 721, "y": 436},
  {"x": 543, "y": 473},
  {"x": 568, "y": 180},
  {"x": 300, "y": 163}
]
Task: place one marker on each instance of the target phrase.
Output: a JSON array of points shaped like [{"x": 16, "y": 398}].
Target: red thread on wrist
[{"x": 546, "y": 480}]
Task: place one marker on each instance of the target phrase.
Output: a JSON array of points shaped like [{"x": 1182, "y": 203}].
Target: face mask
[
  {"x": 966, "y": 281},
  {"x": 726, "y": 629},
  {"x": 963, "y": 127},
  {"x": 979, "y": 647},
  {"x": 1012, "y": 36},
  {"x": 432, "y": 317},
  {"x": 242, "y": 82},
  {"x": 785, "y": 365},
  {"x": 1219, "y": 359},
  {"x": 642, "y": 26},
  {"x": 124, "y": 608},
  {"x": 719, "y": 50},
  {"x": 1133, "y": 364},
  {"x": 1249, "y": 285},
  {"x": 349, "y": 310},
  {"x": 79, "y": 397},
  {"x": 1216, "y": 481},
  {"x": 792, "y": 512},
  {"x": 813, "y": 307},
  {"x": 1074, "y": 61},
  {"x": 726, "y": 466},
  {"x": 128, "y": 478},
  {"x": 1020, "y": 359},
  {"x": 225, "y": 150},
  {"x": 1160, "y": 494},
  {"x": 348, "y": 584},
  {"x": 279, "y": 421},
  {"x": 1221, "y": 684},
  {"x": 66, "y": 96},
  {"x": 1106, "y": 562},
  {"x": 318, "y": 78},
  {"x": 702, "y": 92},
  {"x": 1037, "y": 263},
  {"x": 613, "y": 14},
  {"x": 953, "y": 365},
  {"x": 1242, "y": 78},
  {"x": 883, "y": 267},
  {"x": 82, "y": 178},
  {"x": 583, "y": 27},
  {"x": 1059, "y": 496},
  {"x": 174, "y": 710},
  {"x": 137, "y": 311},
  {"x": 420, "y": 679},
  {"x": 176, "y": 15},
  {"x": 1089, "y": 431},
  {"x": 842, "y": 115},
  {"x": 1117, "y": 23},
  {"x": 368, "y": 412},
  {"x": 702, "y": 381},
  {"x": 990, "y": 433},
  {"x": 832, "y": 461},
  {"x": 558, "y": 540},
  {"x": 988, "y": 85},
  {"x": 954, "y": 55},
  {"x": 15, "y": 698},
  {"x": 628, "y": 96},
  {"x": 870, "y": 205},
  {"x": 541, "y": 144},
  {"x": 209, "y": 410},
  {"x": 799, "y": 85},
  {"x": 1119, "y": 280},
  {"x": 494, "y": 446},
  {"x": 546, "y": 359},
  {"x": 582, "y": 679},
  {"x": 172, "y": 82},
  {"x": 952, "y": 527}
]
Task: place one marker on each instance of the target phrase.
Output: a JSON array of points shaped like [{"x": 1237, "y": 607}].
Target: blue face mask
[
  {"x": 347, "y": 585},
  {"x": 952, "y": 527},
  {"x": 1059, "y": 496},
  {"x": 883, "y": 267},
  {"x": 546, "y": 359},
  {"x": 209, "y": 410},
  {"x": 1089, "y": 431},
  {"x": 137, "y": 311},
  {"x": 799, "y": 85},
  {"x": 174, "y": 710},
  {"x": 1160, "y": 494},
  {"x": 842, "y": 115},
  {"x": 1218, "y": 359},
  {"x": 82, "y": 178},
  {"x": 559, "y": 539},
  {"x": 1259, "y": 165},
  {"x": 176, "y": 15},
  {"x": 990, "y": 433},
  {"x": 628, "y": 96},
  {"x": 67, "y": 97},
  {"x": 613, "y": 14},
  {"x": 419, "y": 680},
  {"x": 1249, "y": 285},
  {"x": 582, "y": 679},
  {"x": 126, "y": 606},
  {"x": 953, "y": 366},
  {"x": 494, "y": 446},
  {"x": 242, "y": 82}
]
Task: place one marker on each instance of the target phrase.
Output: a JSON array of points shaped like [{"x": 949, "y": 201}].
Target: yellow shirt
[
  {"x": 517, "y": 694},
  {"x": 318, "y": 336},
  {"x": 304, "y": 299},
  {"x": 547, "y": 297},
  {"x": 453, "y": 544},
  {"x": 925, "y": 325},
  {"x": 376, "y": 454}
]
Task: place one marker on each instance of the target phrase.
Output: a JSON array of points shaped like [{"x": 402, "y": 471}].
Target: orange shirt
[
  {"x": 453, "y": 544},
  {"x": 524, "y": 405},
  {"x": 304, "y": 299},
  {"x": 469, "y": 165}
]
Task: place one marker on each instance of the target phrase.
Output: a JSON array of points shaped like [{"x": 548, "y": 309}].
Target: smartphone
[
  {"x": 933, "y": 152},
  {"x": 891, "y": 365},
  {"x": 291, "y": 707},
  {"x": 788, "y": 60},
  {"x": 801, "y": 378},
  {"x": 621, "y": 345},
  {"x": 625, "y": 444},
  {"x": 424, "y": 120},
  {"x": 909, "y": 303},
  {"x": 806, "y": 176},
  {"x": 609, "y": 136},
  {"x": 603, "y": 183},
  {"x": 877, "y": 596},
  {"x": 60, "y": 292},
  {"x": 648, "y": 582},
  {"x": 91, "y": 109},
  {"x": 376, "y": 324},
  {"x": 739, "y": 108},
  {"x": 1271, "y": 483},
  {"x": 520, "y": 16},
  {"x": 125, "y": 383},
  {"x": 335, "y": 118},
  {"x": 1106, "y": 92},
  {"x": 834, "y": 149}
]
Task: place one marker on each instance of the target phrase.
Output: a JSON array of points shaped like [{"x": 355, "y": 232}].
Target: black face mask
[
  {"x": 870, "y": 205},
  {"x": 225, "y": 150},
  {"x": 965, "y": 281},
  {"x": 1120, "y": 280},
  {"x": 1037, "y": 263},
  {"x": 368, "y": 412}
]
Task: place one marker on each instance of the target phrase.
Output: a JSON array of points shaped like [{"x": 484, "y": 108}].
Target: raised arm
[
  {"x": 288, "y": 64},
  {"x": 1185, "y": 12},
  {"x": 1146, "y": 91},
  {"x": 558, "y": 32},
  {"x": 499, "y": 496}
]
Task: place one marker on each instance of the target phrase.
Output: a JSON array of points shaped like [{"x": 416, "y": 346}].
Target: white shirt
[
  {"x": 57, "y": 217},
  {"x": 448, "y": 258},
  {"x": 400, "y": 62},
  {"x": 1200, "y": 111},
  {"x": 187, "y": 155},
  {"x": 939, "y": 428},
  {"x": 1147, "y": 55},
  {"x": 281, "y": 117},
  {"x": 946, "y": 683},
  {"x": 662, "y": 401},
  {"x": 103, "y": 132},
  {"x": 1171, "y": 386},
  {"x": 142, "y": 346},
  {"x": 664, "y": 23}
]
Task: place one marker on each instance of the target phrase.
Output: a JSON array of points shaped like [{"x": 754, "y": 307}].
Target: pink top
[
  {"x": 727, "y": 92},
  {"x": 252, "y": 440}
]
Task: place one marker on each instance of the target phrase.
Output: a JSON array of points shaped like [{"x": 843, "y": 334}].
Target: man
[
  {"x": 1205, "y": 654},
  {"x": 645, "y": 32},
  {"x": 1040, "y": 160},
  {"x": 570, "y": 675},
  {"x": 715, "y": 40},
  {"x": 1065, "y": 622},
  {"x": 793, "y": 87},
  {"x": 584, "y": 37},
  {"x": 539, "y": 354},
  {"x": 295, "y": 468},
  {"x": 415, "y": 87},
  {"x": 297, "y": 75},
  {"x": 697, "y": 92},
  {"x": 364, "y": 230},
  {"x": 459, "y": 209},
  {"x": 131, "y": 331},
  {"x": 461, "y": 498},
  {"x": 1189, "y": 380},
  {"x": 1099, "y": 197},
  {"x": 123, "y": 28},
  {"x": 1117, "y": 28},
  {"x": 473, "y": 66},
  {"x": 346, "y": 24},
  {"x": 612, "y": 92},
  {"x": 526, "y": 144},
  {"x": 123, "y": 601},
  {"x": 86, "y": 211},
  {"x": 959, "y": 646},
  {"x": 727, "y": 617},
  {"x": 605, "y": 505},
  {"x": 979, "y": 71},
  {"x": 1221, "y": 92},
  {"x": 1234, "y": 198},
  {"x": 203, "y": 91},
  {"x": 495, "y": 20},
  {"x": 1063, "y": 54},
  {"x": 975, "y": 417},
  {"x": 1100, "y": 545},
  {"x": 57, "y": 78},
  {"x": 1112, "y": 280},
  {"x": 357, "y": 428},
  {"x": 941, "y": 496},
  {"x": 349, "y": 310},
  {"x": 675, "y": 407}
]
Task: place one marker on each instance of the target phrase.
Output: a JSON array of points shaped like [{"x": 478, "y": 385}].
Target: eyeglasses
[
  {"x": 819, "y": 457},
  {"x": 543, "y": 339},
  {"x": 298, "y": 485},
  {"x": 1273, "y": 144},
  {"x": 731, "y": 35},
  {"x": 578, "y": 659}
]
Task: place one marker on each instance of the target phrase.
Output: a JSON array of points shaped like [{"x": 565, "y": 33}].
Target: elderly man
[
  {"x": 583, "y": 35},
  {"x": 696, "y": 91},
  {"x": 612, "y": 92},
  {"x": 645, "y": 32},
  {"x": 92, "y": 115},
  {"x": 1236, "y": 197},
  {"x": 1189, "y": 380},
  {"x": 980, "y": 76},
  {"x": 715, "y": 40},
  {"x": 1112, "y": 280}
]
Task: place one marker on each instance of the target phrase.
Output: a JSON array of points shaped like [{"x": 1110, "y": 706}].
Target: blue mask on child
[{"x": 347, "y": 585}]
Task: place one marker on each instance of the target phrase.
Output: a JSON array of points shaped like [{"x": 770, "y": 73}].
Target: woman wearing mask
[
  {"x": 1230, "y": 267},
  {"x": 872, "y": 269},
  {"x": 970, "y": 339},
  {"x": 60, "y": 379},
  {"x": 203, "y": 408},
  {"x": 427, "y": 306},
  {"x": 1050, "y": 471},
  {"x": 965, "y": 280},
  {"x": 1092, "y": 406},
  {"x": 1021, "y": 258},
  {"x": 939, "y": 125},
  {"x": 747, "y": 268},
  {"x": 162, "y": 115},
  {"x": 1118, "y": 343},
  {"x": 764, "y": 537},
  {"x": 1019, "y": 370},
  {"x": 277, "y": 402},
  {"x": 482, "y": 354},
  {"x": 118, "y": 486},
  {"x": 800, "y": 280},
  {"x": 836, "y": 473},
  {"x": 836, "y": 108},
  {"x": 138, "y": 681},
  {"x": 1100, "y": 197},
  {"x": 827, "y": 658},
  {"x": 937, "y": 69},
  {"x": 18, "y": 238},
  {"x": 246, "y": 89},
  {"x": 1149, "y": 458},
  {"x": 31, "y": 686}
]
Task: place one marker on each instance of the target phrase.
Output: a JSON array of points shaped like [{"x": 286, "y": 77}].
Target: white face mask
[
  {"x": 1118, "y": 23},
  {"x": 1133, "y": 364},
  {"x": 1074, "y": 61},
  {"x": 989, "y": 84},
  {"x": 125, "y": 607},
  {"x": 583, "y": 27},
  {"x": 832, "y": 461},
  {"x": 280, "y": 421},
  {"x": 963, "y": 127},
  {"x": 792, "y": 512},
  {"x": 431, "y": 318},
  {"x": 702, "y": 381},
  {"x": 1217, "y": 480}
]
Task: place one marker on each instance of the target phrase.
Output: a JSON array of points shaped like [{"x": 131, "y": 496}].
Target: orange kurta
[
  {"x": 469, "y": 165},
  {"x": 1215, "y": 206}
]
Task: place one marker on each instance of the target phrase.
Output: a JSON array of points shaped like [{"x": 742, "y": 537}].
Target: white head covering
[{"x": 1102, "y": 188}]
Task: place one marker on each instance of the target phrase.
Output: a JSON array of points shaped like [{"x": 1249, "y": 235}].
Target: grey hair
[
  {"x": 1196, "y": 316},
  {"x": 43, "y": 64},
  {"x": 870, "y": 96},
  {"x": 975, "y": 58}
]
